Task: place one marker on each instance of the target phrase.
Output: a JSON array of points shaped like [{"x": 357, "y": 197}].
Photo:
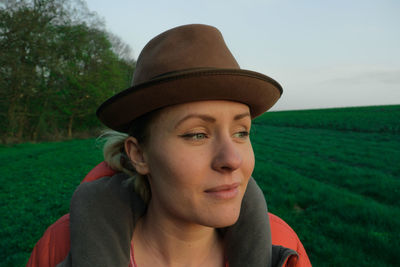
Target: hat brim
[{"x": 254, "y": 89}]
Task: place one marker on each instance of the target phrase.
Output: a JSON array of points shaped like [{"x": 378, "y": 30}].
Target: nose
[{"x": 227, "y": 156}]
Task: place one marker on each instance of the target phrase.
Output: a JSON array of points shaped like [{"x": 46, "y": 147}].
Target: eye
[
  {"x": 242, "y": 134},
  {"x": 195, "y": 136}
]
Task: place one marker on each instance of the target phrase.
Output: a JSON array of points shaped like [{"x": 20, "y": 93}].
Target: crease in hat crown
[
  {"x": 183, "y": 48},
  {"x": 183, "y": 64}
]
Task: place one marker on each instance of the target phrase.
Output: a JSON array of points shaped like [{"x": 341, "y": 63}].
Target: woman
[{"x": 188, "y": 117}]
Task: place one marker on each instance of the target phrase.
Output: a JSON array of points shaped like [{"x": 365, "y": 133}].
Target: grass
[
  {"x": 384, "y": 119},
  {"x": 337, "y": 184},
  {"x": 339, "y": 195},
  {"x": 36, "y": 184}
]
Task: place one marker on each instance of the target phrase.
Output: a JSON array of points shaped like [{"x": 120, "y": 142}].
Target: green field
[{"x": 333, "y": 175}]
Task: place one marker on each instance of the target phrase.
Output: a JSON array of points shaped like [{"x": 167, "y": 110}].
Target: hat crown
[{"x": 181, "y": 48}]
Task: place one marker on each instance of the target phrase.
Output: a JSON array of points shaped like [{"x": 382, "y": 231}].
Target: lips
[{"x": 226, "y": 191}]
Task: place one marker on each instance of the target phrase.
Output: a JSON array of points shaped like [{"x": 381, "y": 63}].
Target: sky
[{"x": 323, "y": 53}]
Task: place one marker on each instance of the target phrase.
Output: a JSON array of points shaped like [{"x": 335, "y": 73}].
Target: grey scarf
[{"x": 103, "y": 214}]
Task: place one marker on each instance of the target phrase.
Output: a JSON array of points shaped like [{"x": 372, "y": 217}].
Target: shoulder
[
  {"x": 100, "y": 192},
  {"x": 54, "y": 245},
  {"x": 101, "y": 170},
  {"x": 89, "y": 205},
  {"x": 283, "y": 235}
]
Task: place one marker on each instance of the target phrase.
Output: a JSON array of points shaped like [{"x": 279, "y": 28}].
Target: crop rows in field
[
  {"x": 352, "y": 161},
  {"x": 338, "y": 189},
  {"x": 380, "y": 119},
  {"x": 36, "y": 184},
  {"x": 336, "y": 226}
]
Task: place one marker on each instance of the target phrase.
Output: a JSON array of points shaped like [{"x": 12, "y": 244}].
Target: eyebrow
[
  {"x": 211, "y": 119},
  {"x": 241, "y": 116}
]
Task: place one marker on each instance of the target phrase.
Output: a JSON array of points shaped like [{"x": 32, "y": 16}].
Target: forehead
[{"x": 213, "y": 108}]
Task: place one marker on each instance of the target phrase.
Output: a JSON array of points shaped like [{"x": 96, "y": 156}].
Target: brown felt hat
[{"x": 185, "y": 64}]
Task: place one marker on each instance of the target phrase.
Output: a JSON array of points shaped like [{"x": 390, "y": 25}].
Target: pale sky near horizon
[{"x": 324, "y": 53}]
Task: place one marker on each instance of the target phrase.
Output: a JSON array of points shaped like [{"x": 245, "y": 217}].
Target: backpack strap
[{"x": 101, "y": 170}]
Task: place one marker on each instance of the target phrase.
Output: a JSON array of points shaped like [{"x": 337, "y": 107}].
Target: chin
[{"x": 223, "y": 218}]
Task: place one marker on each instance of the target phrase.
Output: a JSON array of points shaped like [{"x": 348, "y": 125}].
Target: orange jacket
[{"x": 54, "y": 246}]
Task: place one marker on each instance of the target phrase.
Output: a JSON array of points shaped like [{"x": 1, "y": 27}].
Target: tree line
[{"x": 57, "y": 64}]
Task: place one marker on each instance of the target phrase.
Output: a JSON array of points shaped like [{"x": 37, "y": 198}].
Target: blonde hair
[{"x": 116, "y": 157}]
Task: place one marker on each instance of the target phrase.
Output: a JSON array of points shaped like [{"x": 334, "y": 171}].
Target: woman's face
[{"x": 198, "y": 161}]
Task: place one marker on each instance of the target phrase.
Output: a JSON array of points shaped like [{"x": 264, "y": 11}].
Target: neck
[{"x": 160, "y": 240}]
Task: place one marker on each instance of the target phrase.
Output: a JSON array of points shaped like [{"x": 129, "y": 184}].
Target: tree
[{"x": 57, "y": 64}]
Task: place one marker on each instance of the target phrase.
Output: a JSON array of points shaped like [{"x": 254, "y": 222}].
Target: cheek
[
  {"x": 177, "y": 176},
  {"x": 176, "y": 168},
  {"x": 248, "y": 162},
  {"x": 251, "y": 159}
]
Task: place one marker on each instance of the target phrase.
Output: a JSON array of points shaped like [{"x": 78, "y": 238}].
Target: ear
[{"x": 136, "y": 155}]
